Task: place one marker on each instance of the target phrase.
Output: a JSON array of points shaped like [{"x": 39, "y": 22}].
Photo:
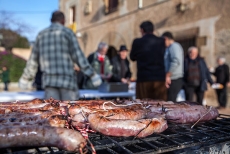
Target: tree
[
  {"x": 12, "y": 39},
  {"x": 12, "y": 30},
  {"x": 8, "y": 21},
  {"x": 13, "y": 63}
]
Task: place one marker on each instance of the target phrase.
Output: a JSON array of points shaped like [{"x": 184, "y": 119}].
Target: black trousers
[
  {"x": 6, "y": 86},
  {"x": 191, "y": 90},
  {"x": 222, "y": 96},
  {"x": 174, "y": 88}
]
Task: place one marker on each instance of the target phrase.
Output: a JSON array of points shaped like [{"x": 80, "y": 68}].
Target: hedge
[{"x": 14, "y": 64}]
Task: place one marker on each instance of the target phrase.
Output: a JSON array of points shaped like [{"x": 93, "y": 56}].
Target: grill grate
[{"x": 176, "y": 138}]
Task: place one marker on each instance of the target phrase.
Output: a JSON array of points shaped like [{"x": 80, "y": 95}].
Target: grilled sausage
[
  {"x": 126, "y": 128},
  {"x": 89, "y": 108},
  {"x": 30, "y": 119},
  {"x": 27, "y": 136},
  {"x": 191, "y": 115},
  {"x": 123, "y": 113},
  {"x": 185, "y": 112}
]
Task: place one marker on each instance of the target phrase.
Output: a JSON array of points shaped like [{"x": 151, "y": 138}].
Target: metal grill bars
[{"x": 178, "y": 137}]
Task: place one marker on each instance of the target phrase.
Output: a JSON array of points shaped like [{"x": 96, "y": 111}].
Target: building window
[
  {"x": 72, "y": 15},
  {"x": 72, "y": 19},
  {"x": 111, "y": 6}
]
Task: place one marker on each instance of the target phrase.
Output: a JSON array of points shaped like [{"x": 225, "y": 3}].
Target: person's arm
[
  {"x": 79, "y": 58},
  {"x": 175, "y": 54},
  {"x": 134, "y": 50},
  {"x": 109, "y": 68},
  {"x": 208, "y": 75},
  {"x": 129, "y": 74},
  {"x": 227, "y": 74},
  {"x": 31, "y": 67},
  {"x": 8, "y": 76}
]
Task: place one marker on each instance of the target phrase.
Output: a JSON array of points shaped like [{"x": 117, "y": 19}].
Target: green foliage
[
  {"x": 14, "y": 64},
  {"x": 12, "y": 39},
  {"x": 21, "y": 42}
]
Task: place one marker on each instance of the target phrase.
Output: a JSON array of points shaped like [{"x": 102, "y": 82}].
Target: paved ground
[{"x": 211, "y": 100}]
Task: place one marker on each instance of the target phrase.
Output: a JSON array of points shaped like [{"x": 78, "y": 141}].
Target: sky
[{"x": 34, "y": 13}]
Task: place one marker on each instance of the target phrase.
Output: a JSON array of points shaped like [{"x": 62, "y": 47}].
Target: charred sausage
[
  {"x": 27, "y": 136},
  {"x": 126, "y": 128}
]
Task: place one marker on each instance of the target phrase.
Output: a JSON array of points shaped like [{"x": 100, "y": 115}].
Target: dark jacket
[
  {"x": 116, "y": 62},
  {"x": 204, "y": 73},
  {"x": 149, "y": 51},
  {"x": 6, "y": 76},
  {"x": 222, "y": 74}
]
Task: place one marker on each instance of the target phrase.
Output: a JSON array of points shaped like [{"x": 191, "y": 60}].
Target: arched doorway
[
  {"x": 114, "y": 40},
  {"x": 112, "y": 51}
]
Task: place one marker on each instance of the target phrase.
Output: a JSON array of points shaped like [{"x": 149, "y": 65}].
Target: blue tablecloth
[{"x": 26, "y": 96}]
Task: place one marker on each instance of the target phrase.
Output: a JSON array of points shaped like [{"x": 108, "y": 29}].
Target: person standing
[
  {"x": 196, "y": 75},
  {"x": 100, "y": 63},
  {"x": 222, "y": 76},
  {"x": 121, "y": 71},
  {"x": 148, "y": 51},
  {"x": 56, "y": 50},
  {"x": 5, "y": 77},
  {"x": 174, "y": 66}
]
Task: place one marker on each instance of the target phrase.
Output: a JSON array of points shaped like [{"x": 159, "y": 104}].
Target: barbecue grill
[{"x": 212, "y": 136}]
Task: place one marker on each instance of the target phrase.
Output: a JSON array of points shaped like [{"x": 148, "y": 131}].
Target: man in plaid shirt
[{"x": 56, "y": 50}]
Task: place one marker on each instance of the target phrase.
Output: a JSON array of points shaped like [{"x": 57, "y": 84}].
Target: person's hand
[
  {"x": 228, "y": 84},
  {"x": 123, "y": 80},
  {"x": 23, "y": 84},
  {"x": 105, "y": 77},
  {"x": 167, "y": 81},
  {"x": 96, "y": 80},
  {"x": 211, "y": 69},
  {"x": 102, "y": 76}
]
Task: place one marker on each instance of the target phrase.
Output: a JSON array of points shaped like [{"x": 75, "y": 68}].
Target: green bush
[{"x": 14, "y": 64}]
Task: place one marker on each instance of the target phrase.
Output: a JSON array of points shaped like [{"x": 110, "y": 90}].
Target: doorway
[
  {"x": 186, "y": 43},
  {"x": 112, "y": 52}
]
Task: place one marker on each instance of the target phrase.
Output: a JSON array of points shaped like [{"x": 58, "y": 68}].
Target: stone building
[{"x": 201, "y": 23}]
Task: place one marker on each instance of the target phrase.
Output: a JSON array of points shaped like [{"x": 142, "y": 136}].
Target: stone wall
[
  {"x": 223, "y": 44},
  {"x": 206, "y": 20}
]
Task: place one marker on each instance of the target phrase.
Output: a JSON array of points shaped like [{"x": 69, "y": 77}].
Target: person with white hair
[
  {"x": 222, "y": 77},
  {"x": 196, "y": 75},
  {"x": 101, "y": 64}
]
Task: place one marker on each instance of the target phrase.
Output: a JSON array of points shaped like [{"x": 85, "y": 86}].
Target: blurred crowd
[{"x": 163, "y": 68}]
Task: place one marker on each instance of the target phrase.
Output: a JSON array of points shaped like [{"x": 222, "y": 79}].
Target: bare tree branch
[{"x": 9, "y": 21}]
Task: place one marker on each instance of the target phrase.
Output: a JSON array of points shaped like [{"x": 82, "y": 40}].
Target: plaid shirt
[{"x": 56, "y": 50}]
